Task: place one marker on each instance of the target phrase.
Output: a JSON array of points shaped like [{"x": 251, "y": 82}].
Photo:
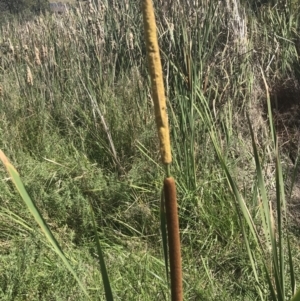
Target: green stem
[{"x": 168, "y": 173}]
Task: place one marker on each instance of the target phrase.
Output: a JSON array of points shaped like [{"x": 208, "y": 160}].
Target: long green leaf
[
  {"x": 106, "y": 283},
  {"x": 163, "y": 228},
  {"x": 297, "y": 296}
]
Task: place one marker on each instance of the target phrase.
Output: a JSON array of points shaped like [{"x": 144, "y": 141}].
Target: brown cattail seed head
[
  {"x": 130, "y": 40},
  {"x": 77, "y": 11},
  {"x": 10, "y": 47},
  {"x": 90, "y": 7},
  {"x": 98, "y": 23},
  {"x": 29, "y": 79},
  {"x": 126, "y": 5},
  {"x": 113, "y": 44},
  {"x": 25, "y": 51},
  {"x": 100, "y": 30},
  {"x": 44, "y": 53},
  {"x": 37, "y": 59}
]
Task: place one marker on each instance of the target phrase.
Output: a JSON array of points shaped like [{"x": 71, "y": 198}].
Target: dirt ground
[{"x": 285, "y": 101}]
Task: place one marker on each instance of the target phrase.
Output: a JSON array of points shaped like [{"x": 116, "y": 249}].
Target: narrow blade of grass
[
  {"x": 163, "y": 225},
  {"x": 279, "y": 202},
  {"x": 243, "y": 208},
  {"x": 271, "y": 287},
  {"x": 106, "y": 283},
  {"x": 267, "y": 222}
]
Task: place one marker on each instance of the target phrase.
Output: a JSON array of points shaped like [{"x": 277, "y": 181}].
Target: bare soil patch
[{"x": 285, "y": 102}]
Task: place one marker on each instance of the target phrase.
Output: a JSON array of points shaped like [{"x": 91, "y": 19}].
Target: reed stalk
[{"x": 161, "y": 118}]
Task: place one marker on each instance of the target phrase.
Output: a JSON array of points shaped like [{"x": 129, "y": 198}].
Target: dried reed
[{"x": 29, "y": 78}]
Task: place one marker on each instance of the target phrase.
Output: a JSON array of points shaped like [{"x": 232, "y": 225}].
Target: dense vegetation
[{"x": 77, "y": 122}]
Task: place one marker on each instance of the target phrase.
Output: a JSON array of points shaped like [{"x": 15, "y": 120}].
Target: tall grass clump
[
  {"x": 161, "y": 119},
  {"x": 270, "y": 229}
]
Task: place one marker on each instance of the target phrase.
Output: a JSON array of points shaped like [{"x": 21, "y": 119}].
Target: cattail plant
[
  {"x": 29, "y": 79},
  {"x": 161, "y": 118},
  {"x": 10, "y": 47},
  {"x": 37, "y": 59},
  {"x": 25, "y": 53},
  {"x": 130, "y": 41}
]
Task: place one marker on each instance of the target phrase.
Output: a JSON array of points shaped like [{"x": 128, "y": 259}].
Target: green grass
[{"x": 84, "y": 133}]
